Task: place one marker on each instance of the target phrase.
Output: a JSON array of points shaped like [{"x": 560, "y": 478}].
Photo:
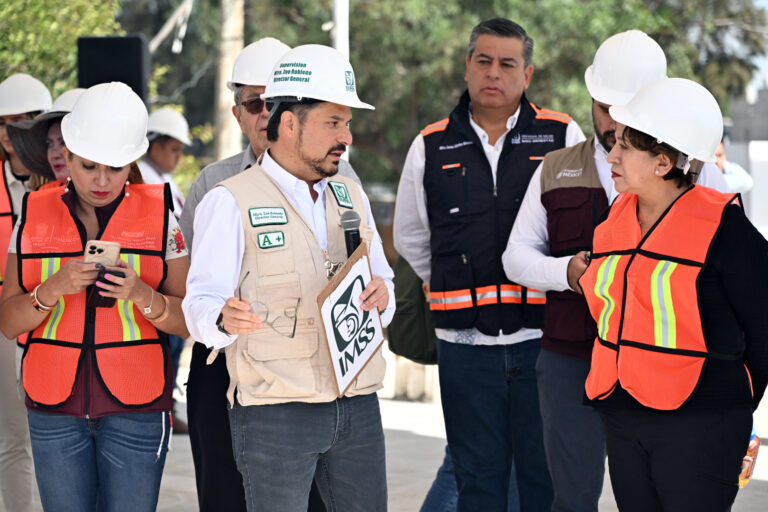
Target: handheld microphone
[{"x": 350, "y": 223}]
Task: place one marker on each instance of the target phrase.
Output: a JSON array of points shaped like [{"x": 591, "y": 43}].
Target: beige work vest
[{"x": 285, "y": 262}]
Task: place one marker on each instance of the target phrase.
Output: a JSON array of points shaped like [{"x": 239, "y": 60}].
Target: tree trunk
[{"x": 228, "y": 135}]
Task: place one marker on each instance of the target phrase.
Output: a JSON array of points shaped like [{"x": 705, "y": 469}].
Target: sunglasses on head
[{"x": 253, "y": 106}]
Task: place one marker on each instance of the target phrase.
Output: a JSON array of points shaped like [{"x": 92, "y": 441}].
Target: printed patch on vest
[
  {"x": 271, "y": 239},
  {"x": 341, "y": 194},
  {"x": 455, "y": 146},
  {"x": 451, "y": 166},
  {"x": 522, "y": 138},
  {"x": 569, "y": 173},
  {"x": 267, "y": 216}
]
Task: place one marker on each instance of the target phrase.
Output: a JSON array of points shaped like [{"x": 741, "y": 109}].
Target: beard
[
  {"x": 320, "y": 166},
  {"x": 606, "y": 139}
]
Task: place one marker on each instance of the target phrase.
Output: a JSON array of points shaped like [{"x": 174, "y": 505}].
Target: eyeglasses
[
  {"x": 283, "y": 324},
  {"x": 253, "y": 106}
]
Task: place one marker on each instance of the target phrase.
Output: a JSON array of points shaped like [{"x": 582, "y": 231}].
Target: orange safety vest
[
  {"x": 643, "y": 294},
  {"x": 129, "y": 354},
  {"x": 6, "y": 221},
  {"x": 50, "y": 185}
]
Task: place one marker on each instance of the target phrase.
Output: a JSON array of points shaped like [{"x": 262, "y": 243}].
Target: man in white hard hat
[
  {"x": 566, "y": 199},
  {"x": 22, "y": 97},
  {"x": 460, "y": 189},
  {"x": 168, "y": 133},
  {"x": 286, "y": 418}
]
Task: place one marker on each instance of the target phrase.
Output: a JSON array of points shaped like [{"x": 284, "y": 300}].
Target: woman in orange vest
[
  {"x": 40, "y": 146},
  {"x": 96, "y": 368},
  {"x": 676, "y": 286}
]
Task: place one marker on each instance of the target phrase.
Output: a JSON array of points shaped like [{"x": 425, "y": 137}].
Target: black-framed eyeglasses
[
  {"x": 253, "y": 106},
  {"x": 284, "y": 323}
]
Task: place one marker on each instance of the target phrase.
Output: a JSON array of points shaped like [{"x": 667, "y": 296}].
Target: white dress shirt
[
  {"x": 737, "y": 178},
  {"x": 526, "y": 259},
  {"x": 220, "y": 244},
  {"x": 411, "y": 226},
  {"x": 153, "y": 176}
]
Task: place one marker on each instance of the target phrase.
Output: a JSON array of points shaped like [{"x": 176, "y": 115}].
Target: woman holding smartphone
[{"x": 98, "y": 379}]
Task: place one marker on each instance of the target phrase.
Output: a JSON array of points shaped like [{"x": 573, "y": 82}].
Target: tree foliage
[{"x": 39, "y": 37}]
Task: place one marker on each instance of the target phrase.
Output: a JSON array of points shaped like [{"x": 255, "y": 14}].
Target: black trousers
[
  {"x": 219, "y": 483},
  {"x": 676, "y": 461}
]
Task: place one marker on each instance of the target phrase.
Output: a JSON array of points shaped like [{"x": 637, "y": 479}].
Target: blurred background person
[
  {"x": 738, "y": 179},
  {"x": 97, "y": 379},
  {"x": 40, "y": 146},
  {"x": 22, "y": 97},
  {"x": 168, "y": 133}
]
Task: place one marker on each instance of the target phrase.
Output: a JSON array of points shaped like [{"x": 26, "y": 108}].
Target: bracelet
[
  {"x": 36, "y": 302},
  {"x": 148, "y": 309},
  {"x": 167, "y": 311}
]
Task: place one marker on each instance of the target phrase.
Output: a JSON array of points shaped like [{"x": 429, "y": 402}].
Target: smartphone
[
  {"x": 102, "y": 251},
  {"x": 98, "y": 301}
]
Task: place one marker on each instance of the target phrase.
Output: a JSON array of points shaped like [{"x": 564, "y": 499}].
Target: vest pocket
[
  {"x": 279, "y": 367},
  {"x": 452, "y": 296},
  {"x": 569, "y": 219},
  {"x": 372, "y": 375},
  {"x": 48, "y": 372}
]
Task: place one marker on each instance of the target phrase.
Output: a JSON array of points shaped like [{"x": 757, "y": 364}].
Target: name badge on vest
[
  {"x": 341, "y": 194},
  {"x": 271, "y": 239},
  {"x": 267, "y": 216}
]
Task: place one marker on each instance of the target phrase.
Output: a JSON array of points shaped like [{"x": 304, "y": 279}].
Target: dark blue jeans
[
  {"x": 443, "y": 496},
  {"x": 113, "y": 463},
  {"x": 280, "y": 448},
  {"x": 491, "y": 410}
]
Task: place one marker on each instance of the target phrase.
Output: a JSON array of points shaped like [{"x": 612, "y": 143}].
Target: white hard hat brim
[
  {"x": 96, "y": 154},
  {"x": 601, "y": 93},
  {"x": 622, "y": 114},
  {"x": 350, "y": 104}
]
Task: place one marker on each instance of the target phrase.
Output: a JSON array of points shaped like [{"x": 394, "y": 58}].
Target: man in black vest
[{"x": 461, "y": 187}]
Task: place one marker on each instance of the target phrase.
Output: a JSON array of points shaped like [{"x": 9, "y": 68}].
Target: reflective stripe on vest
[
  {"x": 49, "y": 267},
  {"x": 486, "y": 295},
  {"x": 128, "y": 351},
  {"x": 664, "y": 322},
  {"x": 651, "y": 338},
  {"x": 605, "y": 276}
]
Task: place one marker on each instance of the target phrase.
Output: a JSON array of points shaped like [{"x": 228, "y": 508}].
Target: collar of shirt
[
  {"x": 297, "y": 192},
  {"x": 249, "y": 158},
  {"x": 11, "y": 178},
  {"x": 493, "y": 152}
]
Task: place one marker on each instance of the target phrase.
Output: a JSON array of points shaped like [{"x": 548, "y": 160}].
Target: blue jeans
[
  {"x": 280, "y": 448},
  {"x": 113, "y": 463},
  {"x": 491, "y": 410},
  {"x": 443, "y": 495}
]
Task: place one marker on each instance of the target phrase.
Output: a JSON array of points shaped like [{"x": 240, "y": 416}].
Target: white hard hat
[
  {"x": 317, "y": 72},
  {"x": 255, "y": 61},
  {"x": 66, "y": 102},
  {"x": 678, "y": 112},
  {"x": 21, "y": 93},
  {"x": 108, "y": 125},
  {"x": 623, "y": 64},
  {"x": 166, "y": 121}
]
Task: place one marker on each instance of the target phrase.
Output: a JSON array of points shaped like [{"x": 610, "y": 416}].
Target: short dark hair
[
  {"x": 502, "y": 27},
  {"x": 300, "y": 108},
  {"x": 156, "y": 138},
  {"x": 644, "y": 142}
]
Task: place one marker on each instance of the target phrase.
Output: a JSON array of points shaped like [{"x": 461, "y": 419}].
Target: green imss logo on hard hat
[{"x": 350, "y": 79}]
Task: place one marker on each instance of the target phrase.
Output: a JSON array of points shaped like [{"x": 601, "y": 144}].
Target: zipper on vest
[
  {"x": 88, "y": 344},
  {"x": 464, "y": 258},
  {"x": 495, "y": 191}
]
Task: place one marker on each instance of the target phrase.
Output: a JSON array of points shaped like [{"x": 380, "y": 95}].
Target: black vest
[{"x": 470, "y": 219}]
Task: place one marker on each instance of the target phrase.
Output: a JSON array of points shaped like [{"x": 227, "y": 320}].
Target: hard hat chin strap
[{"x": 684, "y": 162}]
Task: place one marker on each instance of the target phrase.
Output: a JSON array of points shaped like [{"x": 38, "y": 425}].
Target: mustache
[{"x": 338, "y": 147}]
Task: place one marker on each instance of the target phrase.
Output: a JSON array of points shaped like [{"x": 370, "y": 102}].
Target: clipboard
[{"x": 353, "y": 336}]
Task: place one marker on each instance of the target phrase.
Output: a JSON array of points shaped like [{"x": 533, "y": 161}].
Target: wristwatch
[{"x": 220, "y": 325}]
